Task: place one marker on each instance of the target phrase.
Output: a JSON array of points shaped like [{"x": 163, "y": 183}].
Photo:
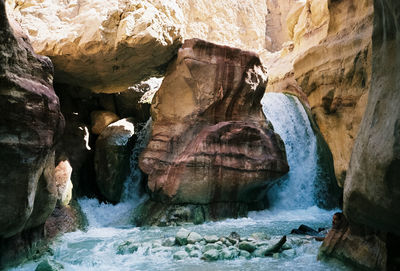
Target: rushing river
[{"x": 292, "y": 205}]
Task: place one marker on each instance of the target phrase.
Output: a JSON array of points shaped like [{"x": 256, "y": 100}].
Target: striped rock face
[{"x": 210, "y": 140}]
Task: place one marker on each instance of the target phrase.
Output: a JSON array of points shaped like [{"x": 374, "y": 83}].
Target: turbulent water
[
  {"x": 291, "y": 122},
  {"x": 292, "y": 202}
]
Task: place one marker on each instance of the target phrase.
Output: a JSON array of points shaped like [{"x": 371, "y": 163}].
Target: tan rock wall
[
  {"x": 328, "y": 65},
  {"x": 107, "y": 46}
]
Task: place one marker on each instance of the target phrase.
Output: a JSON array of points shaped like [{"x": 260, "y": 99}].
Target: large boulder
[
  {"x": 372, "y": 189},
  {"x": 93, "y": 44},
  {"x": 112, "y": 158},
  {"x": 107, "y": 46},
  {"x": 211, "y": 142}
]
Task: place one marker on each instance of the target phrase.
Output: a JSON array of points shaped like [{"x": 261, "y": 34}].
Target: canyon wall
[
  {"x": 328, "y": 65},
  {"x": 371, "y": 188},
  {"x": 30, "y": 125}
]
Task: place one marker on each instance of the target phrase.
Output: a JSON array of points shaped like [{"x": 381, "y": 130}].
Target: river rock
[
  {"x": 168, "y": 242},
  {"x": 211, "y": 255},
  {"x": 245, "y": 254},
  {"x": 112, "y": 158},
  {"x": 180, "y": 255},
  {"x": 219, "y": 115},
  {"x": 195, "y": 254},
  {"x": 182, "y": 236},
  {"x": 228, "y": 254},
  {"x": 214, "y": 246},
  {"x": 49, "y": 265},
  {"x": 127, "y": 248},
  {"x": 248, "y": 246},
  {"x": 30, "y": 125},
  {"x": 194, "y": 238},
  {"x": 211, "y": 238}
]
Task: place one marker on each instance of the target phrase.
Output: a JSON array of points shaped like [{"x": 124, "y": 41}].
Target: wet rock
[
  {"x": 168, "y": 242},
  {"x": 260, "y": 251},
  {"x": 180, "y": 255},
  {"x": 228, "y": 254},
  {"x": 211, "y": 255},
  {"x": 127, "y": 248},
  {"x": 112, "y": 158},
  {"x": 211, "y": 238},
  {"x": 195, "y": 254},
  {"x": 182, "y": 236},
  {"x": 214, "y": 246},
  {"x": 49, "y": 265},
  {"x": 194, "y": 238},
  {"x": 220, "y": 89},
  {"x": 250, "y": 247},
  {"x": 245, "y": 254}
]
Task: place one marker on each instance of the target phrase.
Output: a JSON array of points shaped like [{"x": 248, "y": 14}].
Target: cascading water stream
[
  {"x": 106, "y": 215},
  {"x": 290, "y": 121},
  {"x": 292, "y": 202}
]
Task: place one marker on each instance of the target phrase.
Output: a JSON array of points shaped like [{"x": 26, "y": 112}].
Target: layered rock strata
[
  {"x": 30, "y": 124},
  {"x": 371, "y": 189},
  {"x": 210, "y": 141}
]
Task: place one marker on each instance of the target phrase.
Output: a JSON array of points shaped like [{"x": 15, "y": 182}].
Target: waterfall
[
  {"x": 108, "y": 215},
  {"x": 132, "y": 184},
  {"x": 290, "y": 121}
]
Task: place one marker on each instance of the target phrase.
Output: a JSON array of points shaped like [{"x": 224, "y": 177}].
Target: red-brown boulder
[{"x": 210, "y": 140}]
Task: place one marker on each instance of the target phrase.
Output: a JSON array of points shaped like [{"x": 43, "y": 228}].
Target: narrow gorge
[{"x": 199, "y": 135}]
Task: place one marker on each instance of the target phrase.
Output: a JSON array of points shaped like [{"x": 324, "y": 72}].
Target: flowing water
[{"x": 292, "y": 205}]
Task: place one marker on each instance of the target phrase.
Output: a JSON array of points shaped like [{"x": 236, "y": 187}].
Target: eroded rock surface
[
  {"x": 327, "y": 64},
  {"x": 107, "y": 46},
  {"x": 210, "y": 140},
  {"x": 30, "y": 123},
  {"x": 372, "y": 188}
]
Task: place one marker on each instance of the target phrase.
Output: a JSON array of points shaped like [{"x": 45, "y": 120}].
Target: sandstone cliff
[
  {"x": 30, "y": 124},
  {"x": 371, "y": 188},
  {"x": 328, "y": 65}
]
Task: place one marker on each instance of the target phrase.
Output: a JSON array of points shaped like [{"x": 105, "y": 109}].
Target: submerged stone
[
  {"x": 182, "y": 236},
  {"x": 211, "y": 238},
  {"x": 211, "y": 255},
  {"x": 127, "y": 248},
  {"x": 194, "y": 237},
  {"x": 49, "y": 265},
  {"x": 180, "y": 255},
  {"x": 250, "y": 247},
  {"x": 168, "y": 242}
]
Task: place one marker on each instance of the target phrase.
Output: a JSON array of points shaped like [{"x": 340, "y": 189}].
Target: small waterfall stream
[
  {"x": 106, "y": 215},
  {"x": 291, "y": 122},
  {"x": 292, "y": 204}
]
